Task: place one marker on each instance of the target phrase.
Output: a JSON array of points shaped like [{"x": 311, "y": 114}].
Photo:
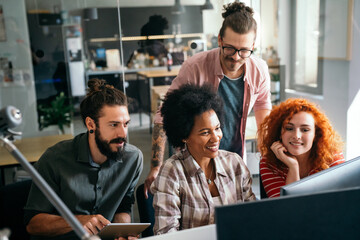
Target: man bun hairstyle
[
  {"x": 99, "y": 94},
  {"x": 239, "y": 18}
]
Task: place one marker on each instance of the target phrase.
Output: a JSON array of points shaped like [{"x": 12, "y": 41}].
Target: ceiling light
[
  {"x": 207, "y": 5},
  {"x": 177, "y": 8}
]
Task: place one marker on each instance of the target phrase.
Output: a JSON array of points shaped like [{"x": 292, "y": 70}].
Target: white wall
[
  {"x": 269, "y": 30},
  {"x": 17, "y": 49},
  {"x": 353, "y": 113}
]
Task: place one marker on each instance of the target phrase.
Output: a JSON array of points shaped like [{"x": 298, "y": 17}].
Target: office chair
[
  {"x": 263, "y": 194},
  {"x": 146, "y": 210},
  {"x": 13, "y": 198}
]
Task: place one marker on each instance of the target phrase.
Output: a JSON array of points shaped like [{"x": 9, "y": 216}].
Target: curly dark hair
[
  {"x": 100, "y": 94},
  {"x": 182, "y": 105},
  {"x": 155, "y": 26},
  {"x": 326, "y": 143},
  {"x": 239, "y": 18}
]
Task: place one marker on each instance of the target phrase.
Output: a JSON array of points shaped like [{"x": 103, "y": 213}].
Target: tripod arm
[{"x": 48, "y": 191}]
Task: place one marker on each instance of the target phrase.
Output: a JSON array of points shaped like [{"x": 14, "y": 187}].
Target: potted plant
[{"x": 58, "y": 113}]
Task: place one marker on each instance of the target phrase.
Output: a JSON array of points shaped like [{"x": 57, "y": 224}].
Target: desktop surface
[{"x": 200, "y": 233}]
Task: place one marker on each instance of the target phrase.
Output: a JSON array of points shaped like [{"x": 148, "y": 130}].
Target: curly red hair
[{"x": 326, "y": 142}]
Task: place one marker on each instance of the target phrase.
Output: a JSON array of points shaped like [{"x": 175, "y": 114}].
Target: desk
[
  {"x": 150, "y": 75},
  {"x": 31, "y": 148}
]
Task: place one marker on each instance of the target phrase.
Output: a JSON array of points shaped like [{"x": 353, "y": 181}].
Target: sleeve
[
  {"x": 271, "y": 180},
  {"x": 166, "y": 190},
  {"x": 37, "y": 202},
  {"x": 129, "y": 199},
  {"x": 263, "y": 100},
  {"x": 338, "y": 159}
]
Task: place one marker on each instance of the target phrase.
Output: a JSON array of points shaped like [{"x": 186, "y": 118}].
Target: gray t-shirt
[{"x": 232, "y": 93}]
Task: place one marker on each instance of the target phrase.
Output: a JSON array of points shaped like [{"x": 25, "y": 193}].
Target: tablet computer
[{"x": 115, "y": 230}]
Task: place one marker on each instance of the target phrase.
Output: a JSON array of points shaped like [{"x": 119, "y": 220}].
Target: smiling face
[
  {"x": 111, "y": 131},
  {"x": 231, "y": 64},
  {"x": 298, "y": 134},
  {"x": 204, "y": 139}
]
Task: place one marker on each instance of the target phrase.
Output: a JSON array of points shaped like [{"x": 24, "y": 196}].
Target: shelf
[{"x": 152, "y": 37}]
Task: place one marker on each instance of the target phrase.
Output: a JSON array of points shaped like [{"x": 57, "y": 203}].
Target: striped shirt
[
  {"x": 273, "y": 178},
  {"x": 182, "y": 198}
]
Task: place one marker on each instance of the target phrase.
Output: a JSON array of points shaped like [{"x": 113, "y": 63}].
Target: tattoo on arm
[{"x": 158, "y": 145}]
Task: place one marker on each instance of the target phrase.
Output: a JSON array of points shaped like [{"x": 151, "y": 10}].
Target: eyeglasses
[{"x": 243, "y": 53}]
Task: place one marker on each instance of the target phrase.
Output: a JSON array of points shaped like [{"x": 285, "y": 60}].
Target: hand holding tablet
[{"x": 115, "y": 230}]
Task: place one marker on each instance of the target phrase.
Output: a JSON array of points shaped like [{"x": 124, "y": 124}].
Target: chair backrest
[
  {"x": 263, "y": 194},
  {"x": 146, "y": 210},
  {"x": 13, "y": 198}
]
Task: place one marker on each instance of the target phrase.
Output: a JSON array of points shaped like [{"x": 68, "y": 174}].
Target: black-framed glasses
[{"x": 243, "y": 53}]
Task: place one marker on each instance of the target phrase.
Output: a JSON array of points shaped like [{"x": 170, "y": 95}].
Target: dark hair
[
  {"x": 239, "y": 18},
  {"x": 100, "y": 94},
  {"x": 155, "y": 26},
  {"x": 182, "y": 105}
]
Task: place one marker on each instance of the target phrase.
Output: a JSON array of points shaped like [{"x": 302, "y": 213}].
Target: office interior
[{"x": 49, "y": 50}]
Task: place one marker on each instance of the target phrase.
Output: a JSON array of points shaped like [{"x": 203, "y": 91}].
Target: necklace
[{"x": 209, "y": 179}]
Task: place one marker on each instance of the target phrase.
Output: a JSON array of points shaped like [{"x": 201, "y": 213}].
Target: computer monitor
[
  {"x": 342, "y": 176},
  {"x": 327, "y": 215}
]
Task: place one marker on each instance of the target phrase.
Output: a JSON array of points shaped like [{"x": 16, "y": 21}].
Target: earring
[
  {"x": 91, "y": 131},
  {"x": 185, "y": 146}
]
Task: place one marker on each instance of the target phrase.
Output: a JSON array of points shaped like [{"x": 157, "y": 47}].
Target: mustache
[
  {"x": 232, "y": 60},
  {"x": 118, "y": 140}
]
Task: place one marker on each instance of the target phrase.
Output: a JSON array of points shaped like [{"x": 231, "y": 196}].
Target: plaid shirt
[{"x": 182, "y": 198}]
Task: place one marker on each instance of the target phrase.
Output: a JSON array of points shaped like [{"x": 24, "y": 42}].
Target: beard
[
  {"x": 105, "y": 149},
  {"x": 232, "y": 65}
]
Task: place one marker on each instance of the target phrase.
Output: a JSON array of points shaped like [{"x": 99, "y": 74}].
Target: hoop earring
[{"x": 91, "y": 131}]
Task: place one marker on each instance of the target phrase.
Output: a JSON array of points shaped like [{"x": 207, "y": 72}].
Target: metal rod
[{"x": 48, "y": 191}]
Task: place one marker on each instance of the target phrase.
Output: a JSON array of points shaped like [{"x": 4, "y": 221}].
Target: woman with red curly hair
[{"x": 295, "y": 141}]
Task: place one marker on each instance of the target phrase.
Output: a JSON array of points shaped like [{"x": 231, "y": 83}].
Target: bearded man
[{"x": 95, "y": 173}]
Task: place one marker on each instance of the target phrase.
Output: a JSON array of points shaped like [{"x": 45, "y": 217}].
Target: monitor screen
[
  {"x": 342, "y": 176},
  {"x": 328, "y": 215}
]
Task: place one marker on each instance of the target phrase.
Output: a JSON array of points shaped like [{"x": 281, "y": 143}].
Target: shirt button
[
  {"x": 98, "y": 188},
  {"x": 95, "y": 208}
]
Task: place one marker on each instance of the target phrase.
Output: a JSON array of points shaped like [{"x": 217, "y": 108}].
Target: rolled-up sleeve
[{"x": 166, "y": 190}]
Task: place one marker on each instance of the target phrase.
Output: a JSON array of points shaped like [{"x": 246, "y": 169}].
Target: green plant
[
  {"x": 57, "y": 113},
  {"x": 275, "y": 77}
]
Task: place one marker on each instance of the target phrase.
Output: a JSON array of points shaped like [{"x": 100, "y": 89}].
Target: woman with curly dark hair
[
  {"x": 200, "y": 176},
  {"x": 296, "y": 140}
]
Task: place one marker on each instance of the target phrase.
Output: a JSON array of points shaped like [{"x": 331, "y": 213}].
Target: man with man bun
[{"x": 241, "y": 80}]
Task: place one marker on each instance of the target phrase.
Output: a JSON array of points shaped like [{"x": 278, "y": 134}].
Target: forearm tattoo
[{"x": 158, "y": 145}]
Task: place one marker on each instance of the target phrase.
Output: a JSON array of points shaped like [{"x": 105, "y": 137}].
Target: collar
[
  {"x": 193, "y": 168},
  {"x": 82, "y": 146}
]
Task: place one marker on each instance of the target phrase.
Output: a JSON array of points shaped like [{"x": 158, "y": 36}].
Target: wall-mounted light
[
  {"x": 207, "y": 5},
  {"x": 177, "y": 8},
  {"x": 90, "y": 14}
]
